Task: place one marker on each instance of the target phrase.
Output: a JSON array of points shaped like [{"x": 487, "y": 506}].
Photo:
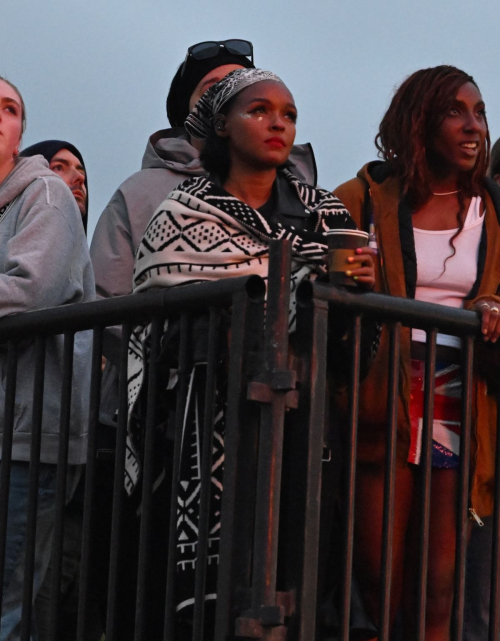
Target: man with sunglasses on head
[{"x": 171, "y": 157}]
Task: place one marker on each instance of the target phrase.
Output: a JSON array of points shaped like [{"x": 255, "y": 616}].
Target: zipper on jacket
[
  {"x": 472, "y": 512},
  {"x": 474, "y": 515},
  {"x": 382, "y": 269}
]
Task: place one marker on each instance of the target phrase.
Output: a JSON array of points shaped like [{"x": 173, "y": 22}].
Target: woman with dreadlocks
[{"x": 429, "y": 209}]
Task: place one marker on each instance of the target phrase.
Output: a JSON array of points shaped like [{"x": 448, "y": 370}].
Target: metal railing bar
[
  {"x": 206, "y": 476},
  {"x": 349, "y": 507},
  {"x": 62, "y": 469},
  {"x": 389, "y": 483},
  {"x": 463, "y": 489},
  {"x": 183, "y": 373},
  {"x": 425, "y": 482},
  {"x": 34, "y": 473},
  {"x": 410, "y": 313},
  {"x": 132, "y": 308},
  {"x": 119, "y": 497},
  {"x": 147, "y": 482},
  {"x": 90, "y": 473},
  {"x": 38, "y": 325},
  {"x": 10, "y": 397}
]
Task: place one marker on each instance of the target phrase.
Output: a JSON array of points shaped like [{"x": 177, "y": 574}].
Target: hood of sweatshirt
[
  {"x": 26, "y": 171},
  {"x": 170, "y": 149},
  {"x": 375, "y": 172}
]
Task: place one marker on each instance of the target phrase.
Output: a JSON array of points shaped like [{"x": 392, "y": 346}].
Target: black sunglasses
[{"x": 211, "y": 48}]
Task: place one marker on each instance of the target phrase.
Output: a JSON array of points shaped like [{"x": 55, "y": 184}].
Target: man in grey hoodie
[
  {"x": 171, "y": 157},
  {"x": 44, "y": 262},
  {"x": 67, "y": 162}
]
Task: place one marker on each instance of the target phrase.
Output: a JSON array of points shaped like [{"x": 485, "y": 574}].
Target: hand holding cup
[
  {"x": 350, "y": 260},
  {"x": 364, "y": 274}
]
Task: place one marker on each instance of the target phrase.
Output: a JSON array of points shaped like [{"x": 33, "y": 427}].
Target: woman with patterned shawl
[{"x": 220, "y": 226}]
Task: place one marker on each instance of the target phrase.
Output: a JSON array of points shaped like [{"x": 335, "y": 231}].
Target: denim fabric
[
  {"x": 69, "y": 583},
  {"x": 478, "y": 581},
  {"x": 16, "y": 539}
]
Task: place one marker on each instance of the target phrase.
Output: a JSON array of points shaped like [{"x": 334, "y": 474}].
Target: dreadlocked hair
[
  {"x": 409, "y": 126},
  {"x": 415, "y": 114}
]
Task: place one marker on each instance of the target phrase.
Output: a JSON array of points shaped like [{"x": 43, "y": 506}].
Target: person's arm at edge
[
  {"x": 39, "y": 266},
  {"x": 113, "y": 258}
]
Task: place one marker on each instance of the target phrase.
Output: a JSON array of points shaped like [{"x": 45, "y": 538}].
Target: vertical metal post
[
  {"x": 271, "y": 432},
  {"x": 463, "y": 489},
  {"x": 206, "y": 476},
  {"x": 494, "y": 630},
  {"x": 425, "y": 482},
  {"x": 10, "y": 397},
  {"x": 147, "y": 482},
  {"x": 184, "y": 371},
  {"x": 348, "y": 524},
  {"x": 90, "y": 468},
  {"x": 389, "y": 482},
  {"x": 118, "y": 489},
  {"x": 34, "y": 472},
  {"x": 305, "y": 433},
  {"x": 240, "y": 461},
  {"x": 62, "y": 468}
]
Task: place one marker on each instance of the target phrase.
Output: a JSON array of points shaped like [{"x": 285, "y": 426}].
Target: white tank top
[{"x": 447, "y": 284}]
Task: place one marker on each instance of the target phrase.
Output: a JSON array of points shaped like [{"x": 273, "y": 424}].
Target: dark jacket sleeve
[
  {"x": 340, "y": 346},
  {"x": 352, "y": 194}
]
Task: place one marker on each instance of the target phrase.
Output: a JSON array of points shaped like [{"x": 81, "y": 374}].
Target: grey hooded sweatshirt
[
  {"x": 44, "y": 262},
  {"x": 169, "y": 159}
]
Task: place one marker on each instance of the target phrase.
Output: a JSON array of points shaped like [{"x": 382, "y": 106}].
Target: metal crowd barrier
[{"x": 274, "y": 438}]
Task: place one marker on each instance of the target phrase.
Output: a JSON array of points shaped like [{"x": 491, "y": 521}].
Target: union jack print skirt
[{"x": 447, "y": 414}]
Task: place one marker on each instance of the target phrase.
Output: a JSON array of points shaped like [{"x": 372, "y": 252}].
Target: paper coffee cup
[{"x": 342, "y": 244}]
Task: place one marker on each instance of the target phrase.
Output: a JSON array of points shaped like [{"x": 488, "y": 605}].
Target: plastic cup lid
[{"x": 347, "y": 232}]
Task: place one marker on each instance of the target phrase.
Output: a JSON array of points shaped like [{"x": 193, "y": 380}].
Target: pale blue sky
[{"x": 97, "y": 72}]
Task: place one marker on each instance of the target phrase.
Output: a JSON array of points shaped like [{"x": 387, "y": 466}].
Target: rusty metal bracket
[
  {"x": 263, "y": 393},
  {"x": 266, "y": 615},
  {"x": 287, "y": 600},
  {"x": 277, "y": 381},
  {"x": 253, "y": 629},
  {"x": 266, "y": 622},
  {"x": 248, "y": 628}
]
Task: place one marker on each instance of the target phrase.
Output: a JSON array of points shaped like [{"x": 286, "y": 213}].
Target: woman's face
[
  {"x": 261, "y": 125},
  {"x": 462, "y": 134},
  {"x": 11, "y": 124}
]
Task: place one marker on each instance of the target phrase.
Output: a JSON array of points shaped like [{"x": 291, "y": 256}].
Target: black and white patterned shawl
[{"x": 203, "y": 233}]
